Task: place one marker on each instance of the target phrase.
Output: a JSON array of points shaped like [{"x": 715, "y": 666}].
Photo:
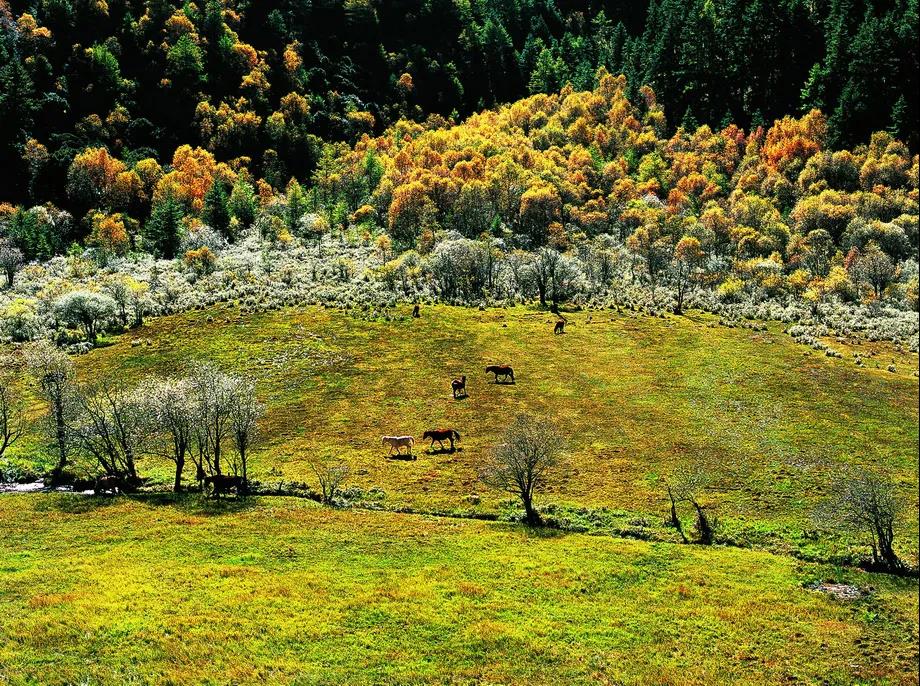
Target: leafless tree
[
  {"x": 171, "y": 408},
  {"x": 520, "y": 464},
  {"x": 331, "y": 475},
  {"x": 113, "y": 427},
  {"x": 54, "y": 372},
  {"x": 864, "y": 502},
  {"x": 212, "y": 424},
  {"x": 10, "y": 406},
  {"x": 244, "y": 410}
]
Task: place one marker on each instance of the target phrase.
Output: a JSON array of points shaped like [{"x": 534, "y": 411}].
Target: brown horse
[
  {"x": 560, "y": 324},
  {"x": 459, "y": 387},
  {"x": 501, "y": 370},
  {"x": 222, "y": 483},
  {"x": 441, "y": 435}
]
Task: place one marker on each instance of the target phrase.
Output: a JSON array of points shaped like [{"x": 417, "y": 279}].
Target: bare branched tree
[
  {"x": 213, "y": 422},
  {"x": 331, "y": 475},
  {"x": 244, "y": 410},
  {"x": 113, "y": 427},
  {"x": 11, "y": 406},
  {"x": 865, "y": 502},
  {"x": 521, "y": 462},
  {"x": 171, "y": 407},
  {"x": 54, "y": 372}
]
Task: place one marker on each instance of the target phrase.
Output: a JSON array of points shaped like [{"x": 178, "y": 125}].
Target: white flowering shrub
[{"x": 268, "y": 269}]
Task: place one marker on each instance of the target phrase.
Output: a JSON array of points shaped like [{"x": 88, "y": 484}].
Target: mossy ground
[
  {"x": 281, "y": 591},
  {"x": 149, "y": 589}
]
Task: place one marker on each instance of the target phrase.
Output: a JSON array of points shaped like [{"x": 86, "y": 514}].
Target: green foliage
[
  {"x": 216, "y": 210},
  {"x": 148, "y": 69},
  {"x": 243, "y": 203},
  {"x": 163, "y": 230}
]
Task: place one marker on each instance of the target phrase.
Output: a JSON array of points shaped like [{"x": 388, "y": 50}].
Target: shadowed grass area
[
  {"x": 284, "y": 592},
  {"x": 634, "y": 394}
]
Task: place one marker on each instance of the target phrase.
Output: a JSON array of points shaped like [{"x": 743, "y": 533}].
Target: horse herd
[{"x": 458, "y": 386}]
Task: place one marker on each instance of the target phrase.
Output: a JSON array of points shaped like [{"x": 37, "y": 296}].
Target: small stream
[{"x": 37, "y": 487}]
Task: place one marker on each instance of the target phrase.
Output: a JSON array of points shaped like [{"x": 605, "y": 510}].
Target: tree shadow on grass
[
  {"x": 77, "y": 503},
  {"x": 198, "y": 504},
  {"x": 190, "y": 503},
  {"x": 542, "y": 531}
]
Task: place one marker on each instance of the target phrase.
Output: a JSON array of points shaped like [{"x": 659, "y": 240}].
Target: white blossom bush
[{"x": 266, "y": 270}]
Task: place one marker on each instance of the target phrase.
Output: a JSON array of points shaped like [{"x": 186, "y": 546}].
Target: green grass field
[
  {"x": 150, "y": 590},
  {"x": 282, "y": 591}
]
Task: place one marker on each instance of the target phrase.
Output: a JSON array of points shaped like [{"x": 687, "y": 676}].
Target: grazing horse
[
  {"x": 440, "y": 435},
  {"x": 459, "y": 386},
  {"x": 397, "y": 442},
  {"x": 560, "y": 325},
  {"x": 502, "y": 370},
  {"x": 108, "y": 484},
  {"x": 222, "y": 483}
]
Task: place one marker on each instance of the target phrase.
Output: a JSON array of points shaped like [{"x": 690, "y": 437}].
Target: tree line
[
  {"x": 207, "y": 419},
  {"x": 264, "y": 84}
]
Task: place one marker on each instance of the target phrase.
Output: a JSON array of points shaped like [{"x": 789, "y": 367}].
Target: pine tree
[
  {"x": 216, "y": 210},
  {"x": 164, "y": 228}
]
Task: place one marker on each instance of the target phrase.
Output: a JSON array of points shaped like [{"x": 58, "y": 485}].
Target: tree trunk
[
  {"x": 531, "y": 516},
  {"x": 180, "y": 465},
  {"x": 702, "y": 524},
  {"x": 61, "y": 436}
]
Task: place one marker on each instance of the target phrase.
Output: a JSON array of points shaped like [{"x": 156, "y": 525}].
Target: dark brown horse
[
  {"x": 223, "y": 483},
  {"x": 501, "y": 370},
  {"x": 459, "y": 387},
  {"x": 441, "y": 435}
]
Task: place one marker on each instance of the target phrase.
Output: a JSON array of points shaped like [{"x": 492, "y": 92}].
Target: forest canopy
[
  {"x": 177, "y": 132},
  {"x": 261, "y": 84}
]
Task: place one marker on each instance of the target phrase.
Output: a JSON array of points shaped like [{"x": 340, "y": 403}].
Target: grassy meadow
[
  {"x": 282, "y": 591},
  {"x": 633, "y": 394},
  {"x": 161, "y": 589}
]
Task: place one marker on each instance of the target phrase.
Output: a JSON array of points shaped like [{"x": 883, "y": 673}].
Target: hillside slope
[{"x": 636, "y": 396}]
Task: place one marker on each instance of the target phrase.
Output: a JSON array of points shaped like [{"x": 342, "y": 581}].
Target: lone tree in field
[
  {"x": 331, "y": 475},
  {"x": 686, "y": 484},
  {"x": 864, "y": 502},
  {"x": 520, "y": 463},
  {"x": 10, "y": 406},
  {"x": 54, "y": 372}
]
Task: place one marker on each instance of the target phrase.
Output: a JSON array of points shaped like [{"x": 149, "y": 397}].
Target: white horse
[{"x": 397, "y": 442}]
